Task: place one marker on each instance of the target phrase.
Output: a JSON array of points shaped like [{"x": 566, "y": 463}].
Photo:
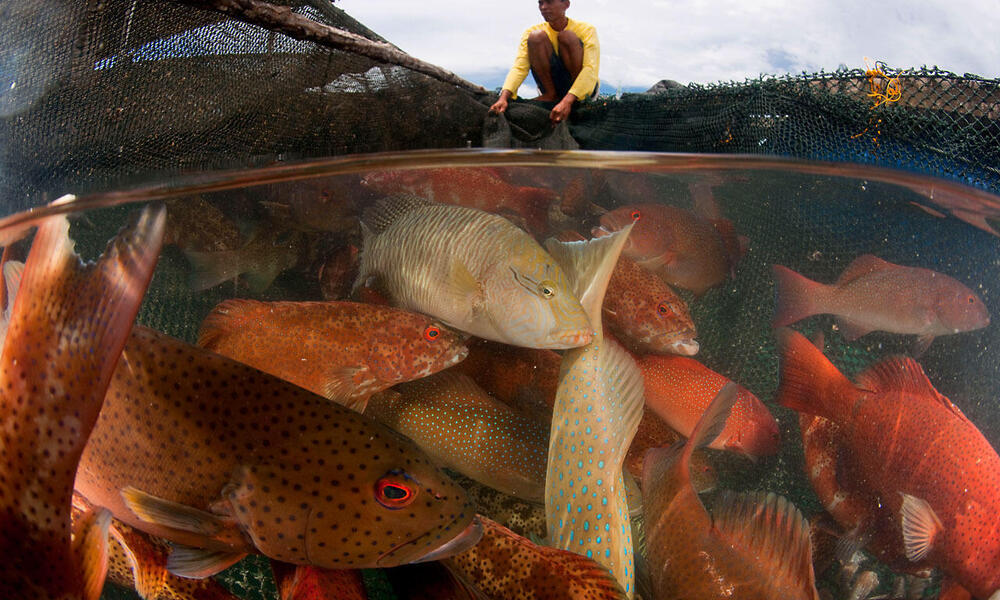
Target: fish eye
[
  {"x": 635, "y": 214},
  {"x": 547, "y": 289},
  {"x": 972, "y": 299},
  {"x": 662, "y": 308},
  {"x": 392, "y": 494},
  {"x": 432, "y": 333}
]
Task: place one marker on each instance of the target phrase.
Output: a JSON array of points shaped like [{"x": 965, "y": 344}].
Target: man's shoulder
[{"x": 581, "y": 26}]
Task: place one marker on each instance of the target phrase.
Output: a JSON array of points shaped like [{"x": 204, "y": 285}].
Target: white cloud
[{"x": 701, "y": 40}]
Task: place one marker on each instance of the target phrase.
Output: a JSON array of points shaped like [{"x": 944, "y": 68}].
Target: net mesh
[{"x": 99, "y": 95}]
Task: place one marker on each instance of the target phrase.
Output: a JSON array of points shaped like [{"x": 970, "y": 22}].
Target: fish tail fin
[
  {"x": 809, "y": 382},
  {"x": 90, "y": 546},
  {"x": 227, "y": 317},
  {"x": 209, "y": 269},
  {"x": 588, "y": 266},
  {"x": 795, "y": 296}
]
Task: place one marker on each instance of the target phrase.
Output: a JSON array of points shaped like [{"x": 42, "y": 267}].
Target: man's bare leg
[
  {"x": 539, "y": 51},
  {"x": 571, "y": 52}
]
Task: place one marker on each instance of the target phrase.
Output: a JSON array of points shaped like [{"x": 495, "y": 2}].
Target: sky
[{"x": 699, "y": 41}]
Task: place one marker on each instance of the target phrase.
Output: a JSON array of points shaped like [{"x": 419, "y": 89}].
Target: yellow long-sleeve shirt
[{"x": 585, "y": 82}]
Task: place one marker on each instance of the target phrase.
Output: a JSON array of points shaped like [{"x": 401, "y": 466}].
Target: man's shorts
[{"x": 561, "y": 77}]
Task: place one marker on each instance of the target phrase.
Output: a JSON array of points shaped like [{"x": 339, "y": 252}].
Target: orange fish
[
  {"x": 682, "y": 248},
  {"x": 654, "y": 433},
  {"x": 472, "y": 188},
  {"x": 925, "y": 467},
  {"x": 344, "y": 351},
  {"x": 306, "y": 582},
  {"x": 875, "y": 295},
  {"x": 224, "y": 460},
  {"x": 67, "y": 328},
  {"x": 506, "y": 566},
  {"x": 751, "y": 547},
  {"x": 678, "y": 389},
  {"x": 645, "y": 314}
]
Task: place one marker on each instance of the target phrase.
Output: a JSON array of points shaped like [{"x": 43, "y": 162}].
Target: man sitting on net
[{"x": 562, "y": 54}]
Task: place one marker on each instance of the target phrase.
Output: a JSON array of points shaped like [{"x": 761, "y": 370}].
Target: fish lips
[{"x": 465, "y": 540}]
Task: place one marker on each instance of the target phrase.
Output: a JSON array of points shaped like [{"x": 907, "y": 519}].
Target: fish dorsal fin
[
  {"x": 588, "y": 266},
  {"x": 384, "y": 212},
  {"x": 902, "y": 373},
  {"x": 861, "y": 266},
  {"x": 770, "y": 529},
  {"x": 227, "y": 316},
  {"x": 90, "y": 545},
  {"x": 624, "y": 379}
]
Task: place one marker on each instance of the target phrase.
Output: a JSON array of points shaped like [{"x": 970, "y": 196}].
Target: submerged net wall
[{"x": 95, "y": 95}]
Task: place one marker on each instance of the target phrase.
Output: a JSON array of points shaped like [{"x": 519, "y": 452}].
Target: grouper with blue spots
[{"x": 597, "y": 410}]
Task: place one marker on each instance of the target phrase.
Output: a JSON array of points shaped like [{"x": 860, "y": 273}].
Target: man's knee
[
  {"x": 567, "y": 38},
  {"x": 537, "y": 38}
]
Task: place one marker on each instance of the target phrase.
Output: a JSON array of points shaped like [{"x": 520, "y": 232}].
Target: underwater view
[{"x": 505, "y": 374}]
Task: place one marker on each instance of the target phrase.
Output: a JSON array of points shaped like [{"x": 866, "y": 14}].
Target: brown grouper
[
  {"x": 224, "y": 459},
  {"x": 67, "y": 328}
]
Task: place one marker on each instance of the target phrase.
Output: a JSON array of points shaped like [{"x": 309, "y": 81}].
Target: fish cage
[{"x": 271, "y": 132}]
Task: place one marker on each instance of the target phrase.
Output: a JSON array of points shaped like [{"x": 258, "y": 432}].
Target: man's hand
[
  {"x": 561, "y": 111},
  {"x": 501, "y": 104}
]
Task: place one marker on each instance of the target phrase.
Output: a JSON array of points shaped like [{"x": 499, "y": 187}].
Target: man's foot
[{"x": 546, "y": 98}]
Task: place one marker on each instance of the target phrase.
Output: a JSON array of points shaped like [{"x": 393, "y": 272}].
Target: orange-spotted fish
[
  {"x": 475, "y": 271},
  {"x": 682, "y": 248},
  {"x": 642, "y": 311},
  {"x": 506, "y": 566},
  {"x": 138, "y": 561},
  {"x": 679, "y": 389},
  {"x": 597, "y": 410},
  {"x": 344, "y": 351},
  {"x": 919, "y": 459},
  {"x": 225, "y": 460},
  {"x": 463, "y": 428},
  {"x": 875, "y": 295},
  {"x": 66, "y": 331},
  {"x": 473, "y": 188},
  {"x": 753, "y": 547}
]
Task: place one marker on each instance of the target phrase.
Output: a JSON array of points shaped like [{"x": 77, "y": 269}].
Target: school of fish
[{"x": 496, "y": 392}]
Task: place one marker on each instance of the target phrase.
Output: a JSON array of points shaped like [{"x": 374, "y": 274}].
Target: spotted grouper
[
  {"x": 597, "y": 410},
  {"x": 225, "y": 460},
  {"x": 344, "y": 351},
  {"x": 475, "y": 271},
  {"x": 67, "y": 328},
  {"x": 463, "y": 428}
]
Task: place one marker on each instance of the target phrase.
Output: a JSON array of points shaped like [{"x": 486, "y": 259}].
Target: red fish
[
  {"x": 67, "y": 328},
  {"x": 306, "y": 582},
  {"x": 506, "y": 566},
  {"x": 473, "y": 188},
  {"x": 344, "y": 351},
  {"x": 751, "y": 547},
  {"x": 875, "y": 295},
  {"x": 925, "y": 467},
  {"x": 678, "y": 389},
  {"x": 654, "y": 433},
  {"x": 682, "y": 248}
]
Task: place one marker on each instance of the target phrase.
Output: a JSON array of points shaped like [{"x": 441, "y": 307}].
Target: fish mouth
[
  {"x": 461, "y": 354},
  {"x": 600, "y": 231},
  {"x": 670, "y": 343},
  {"x": 468, "y": 538},
  {"x": 573, "y": 338}
]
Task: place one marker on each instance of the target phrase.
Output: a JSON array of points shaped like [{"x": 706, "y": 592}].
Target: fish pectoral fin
[
  {"x": 851, "y": 330},
  {"x": 922, "y": 344},
  {"x": 90, "y": 546},
  {"x": 152, "y": 509},
  {"x": 462, "y": 283},
  {"x": 343, "y": 385},
  {"x": 850, "y": 544},
  {"x": 199, "y": 563},
  {"x": 920, "y": 526}
]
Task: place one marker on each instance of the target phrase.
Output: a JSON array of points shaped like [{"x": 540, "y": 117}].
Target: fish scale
[{"x": 597, "y": 411}]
